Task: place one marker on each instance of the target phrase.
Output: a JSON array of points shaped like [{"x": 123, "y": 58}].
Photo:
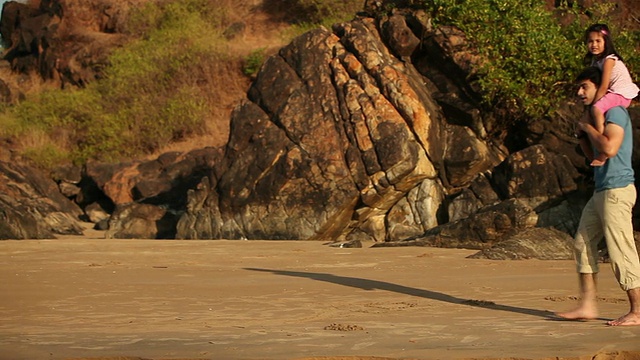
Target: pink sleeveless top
[{"x": 621, "y": 82}]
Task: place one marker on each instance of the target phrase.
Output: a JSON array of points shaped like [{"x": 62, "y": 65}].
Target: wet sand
[{"x": 87, "y": 297}]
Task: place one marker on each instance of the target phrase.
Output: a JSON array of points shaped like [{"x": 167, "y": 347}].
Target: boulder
[
  {"x": 148, "y": 197},
  {"x": 337, "y": 132},
  {"x": 484, "y": 228},
  {"x": 534, "y": 243},
  {"x": 141, "y": 221},
  {"x": 536, "y": 176},
  {"x": 32, "y": 207}
]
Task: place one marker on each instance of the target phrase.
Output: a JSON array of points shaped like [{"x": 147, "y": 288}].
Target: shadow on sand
[{"x": 367, "y": 284}]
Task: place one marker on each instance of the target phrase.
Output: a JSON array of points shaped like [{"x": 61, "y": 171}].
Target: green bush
[
  {"x": 531, "y": 57},
  {"x": 149, "y": 96},
  {"x": 253, "y": 62},
  {"x": 46, "y": 155}
]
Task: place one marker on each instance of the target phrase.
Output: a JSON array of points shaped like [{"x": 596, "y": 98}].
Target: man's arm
[{"x": 607, "y": 143}]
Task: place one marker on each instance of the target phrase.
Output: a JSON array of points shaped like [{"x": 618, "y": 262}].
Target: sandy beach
[{"x": 91, "y": 298}]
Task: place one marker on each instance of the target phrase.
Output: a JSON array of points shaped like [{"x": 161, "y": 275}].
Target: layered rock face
[
  {"x": 371, "y": 131},
  {"x": 32, "y": 207},
  {"x": 342, "y": 138},
  {"x": 333, "y": 127}
]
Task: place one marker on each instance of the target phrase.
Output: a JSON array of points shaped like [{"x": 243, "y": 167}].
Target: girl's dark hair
[{"x": 609, "y": 49}]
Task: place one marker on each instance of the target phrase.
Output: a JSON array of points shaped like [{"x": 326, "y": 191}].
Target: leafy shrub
[
  {"x": 253, "y": 62},
  {"x": 150, "y": 95},
  {"x": 531, "y": 55}
]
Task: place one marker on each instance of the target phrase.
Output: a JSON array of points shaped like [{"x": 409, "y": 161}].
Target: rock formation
[
  {"x": 32, "y": 206},
  {"x": 369, "y": 132}
]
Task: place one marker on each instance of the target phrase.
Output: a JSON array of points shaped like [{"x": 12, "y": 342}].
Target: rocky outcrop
[
  {"x": 368, "y": 132},
  {"x": 355, "y": 143},
  {"x": 372, "y": 131},
  {"x": 336, "y": 131},
  {"x": 141, "y": 199},
  {"x": 32, "y": 207},
  {"x": 144, "y": 199},
  {"x": 534, "y": 243}
]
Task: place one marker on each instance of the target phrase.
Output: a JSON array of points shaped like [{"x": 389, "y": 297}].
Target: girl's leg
[
  {"x": 597, "y": 116},
  {"x": 598, "y": 110}
]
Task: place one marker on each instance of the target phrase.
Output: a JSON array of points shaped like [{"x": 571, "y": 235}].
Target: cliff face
[
  {"x": 367, "y": 131},
  {"x": 342, "y": 138}
]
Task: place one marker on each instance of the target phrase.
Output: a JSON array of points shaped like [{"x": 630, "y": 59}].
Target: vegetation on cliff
[
  {"x": 532, "y": 55},
  {"x": 149, "y": 95}
]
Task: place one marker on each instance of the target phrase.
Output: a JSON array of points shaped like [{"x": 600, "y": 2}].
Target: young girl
[{"x": 617, "y": 88}]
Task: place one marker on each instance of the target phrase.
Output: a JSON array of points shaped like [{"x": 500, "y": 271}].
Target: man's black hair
[{"x": 592, "y": 74}]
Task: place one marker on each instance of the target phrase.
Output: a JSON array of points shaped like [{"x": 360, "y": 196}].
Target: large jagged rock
[
  {"x": 32, "y": 207},
  {"x": 335, "y": 132},
  {"x": 316, "y": 133}
]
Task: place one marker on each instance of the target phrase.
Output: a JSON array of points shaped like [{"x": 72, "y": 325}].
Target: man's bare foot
[
  {"x": 626, "y": 320},
  {"x": 581, "y": 313}
]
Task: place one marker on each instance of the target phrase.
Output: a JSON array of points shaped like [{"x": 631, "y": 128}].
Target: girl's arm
[{"x": 607, "y": 69}]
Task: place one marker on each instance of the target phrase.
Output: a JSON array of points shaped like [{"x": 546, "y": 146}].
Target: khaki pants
[{"x": 608, "y": 214}]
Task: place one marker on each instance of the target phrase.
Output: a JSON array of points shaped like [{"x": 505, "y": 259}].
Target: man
[{"x": 608, "y": 212}]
